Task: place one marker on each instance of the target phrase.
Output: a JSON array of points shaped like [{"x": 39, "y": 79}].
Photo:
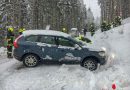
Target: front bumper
[
  {"x": 109, "y": 57},
  {"x": 103, "y": 60}
]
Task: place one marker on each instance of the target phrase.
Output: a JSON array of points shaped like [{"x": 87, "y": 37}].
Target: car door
[
  {"x": 68, "y": 51},
  {"x": 30, "y": 44},
  {"x": 48, "y": 47}
]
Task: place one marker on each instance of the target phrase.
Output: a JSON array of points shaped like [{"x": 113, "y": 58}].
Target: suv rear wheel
[
  {"x": 90, "y": 63},
  {"x": 30, "y": 60}
]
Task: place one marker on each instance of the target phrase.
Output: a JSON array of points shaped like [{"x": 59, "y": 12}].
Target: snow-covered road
[{"x": 14, "y": 76}]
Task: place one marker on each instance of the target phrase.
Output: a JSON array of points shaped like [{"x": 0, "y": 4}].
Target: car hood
[{"x": 92, "y": 49}]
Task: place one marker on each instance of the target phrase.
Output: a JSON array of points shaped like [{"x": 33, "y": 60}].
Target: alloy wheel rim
[
  {"x": 89, "y": 65},
  {"x": 30, "y": 60}
]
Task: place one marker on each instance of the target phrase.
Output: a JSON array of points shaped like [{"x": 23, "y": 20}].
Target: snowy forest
[{"x": 37, "y": 14}]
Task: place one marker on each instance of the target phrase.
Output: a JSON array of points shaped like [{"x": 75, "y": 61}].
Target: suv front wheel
[
  {"x": 30, "y": 60},
  {"x": 90, "y": 63}
]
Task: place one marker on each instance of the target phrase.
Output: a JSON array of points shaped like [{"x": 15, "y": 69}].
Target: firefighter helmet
[
  {"x": 21, "y": 30},
  {"x": 10, "y": 29}
]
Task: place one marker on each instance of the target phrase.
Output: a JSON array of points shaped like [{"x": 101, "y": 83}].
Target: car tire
[
  {"x": 30, "y": 60},
  {"x": 90, "y": 63}
]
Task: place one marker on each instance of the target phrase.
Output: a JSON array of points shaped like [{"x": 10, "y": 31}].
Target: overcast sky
[{"x": 93, "y": 4}]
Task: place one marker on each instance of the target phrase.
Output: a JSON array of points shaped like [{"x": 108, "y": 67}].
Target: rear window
[{"x": 32, "y": 38}]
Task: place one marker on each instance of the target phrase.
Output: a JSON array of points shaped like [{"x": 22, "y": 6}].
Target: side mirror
[{"x": 77, "y": 47}]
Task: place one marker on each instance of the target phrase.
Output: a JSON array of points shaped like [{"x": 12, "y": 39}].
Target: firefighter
[
  {"x": 10, "y": 38},
  {"x": 64, "y": 30},
  {"x": 21, "y": 30},
  {"x": 84, "y": 31},
  {"x": 92, "y": 29},
  {"x": 82, "y": 38}
]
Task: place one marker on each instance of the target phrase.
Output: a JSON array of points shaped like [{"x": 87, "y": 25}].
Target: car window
[
  {"x": 32, "y": 38},
  {"x": 48, "y": 40},
  {"x": 65, "y": 42}
]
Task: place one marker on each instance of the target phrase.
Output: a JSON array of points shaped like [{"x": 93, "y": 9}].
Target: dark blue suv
[{"x": 34, "y": 46}]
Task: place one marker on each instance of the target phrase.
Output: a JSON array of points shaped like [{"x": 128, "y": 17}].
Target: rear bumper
[{"x": 16, "y": 55}]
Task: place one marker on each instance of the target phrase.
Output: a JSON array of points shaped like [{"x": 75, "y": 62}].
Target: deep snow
[{"x": 14, "y": 76}]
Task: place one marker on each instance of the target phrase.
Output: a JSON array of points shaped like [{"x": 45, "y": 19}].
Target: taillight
[{"x": 16, "y": 41}]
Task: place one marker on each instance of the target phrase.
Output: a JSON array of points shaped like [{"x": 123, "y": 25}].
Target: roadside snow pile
[
  {"x": 125, "y": 21},
  {"x": 2, "y": 51},
  {"x": 3, "y": 55},
  {"x": 117, "y": 42}
]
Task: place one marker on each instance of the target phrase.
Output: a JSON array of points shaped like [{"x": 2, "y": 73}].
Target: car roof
[{"x": 45, "y": 32}]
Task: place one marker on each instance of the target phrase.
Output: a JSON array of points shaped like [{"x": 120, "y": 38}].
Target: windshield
[{"x": 81, "y": 43}]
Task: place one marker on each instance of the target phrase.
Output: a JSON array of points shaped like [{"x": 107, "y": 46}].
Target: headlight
[
  {"x": 104, "y": 49},
  {"x": 102, "y": 53},
  {"x": 113, "y": 55}
]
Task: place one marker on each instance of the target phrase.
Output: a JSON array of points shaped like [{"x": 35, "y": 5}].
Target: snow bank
[
  {"x": 2, "y": 51},
  {"x": 117, "y": 42},
  {"x": 125, "y": 21}
]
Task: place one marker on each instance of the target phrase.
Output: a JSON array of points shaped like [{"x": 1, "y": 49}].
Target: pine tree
[
  {"x": 117, "y": 21},
  {"x": 3, "y": 21},
  {"x": 109, "y": 26},
  {"x": 37, "y": 14}
]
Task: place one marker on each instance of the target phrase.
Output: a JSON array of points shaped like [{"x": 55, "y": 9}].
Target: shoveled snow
[
  {"x": 14, "y": 76},
  {"x": 2, "y": 51},
  {"x": 45, "y": 32},
  {"x": 125, "y": 21}
]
